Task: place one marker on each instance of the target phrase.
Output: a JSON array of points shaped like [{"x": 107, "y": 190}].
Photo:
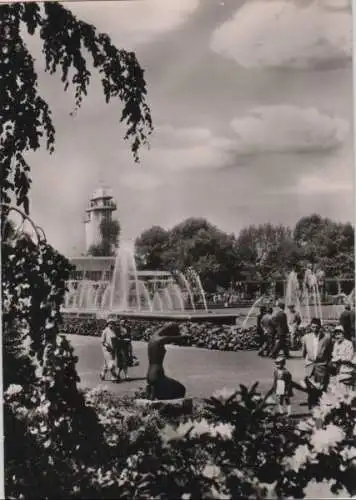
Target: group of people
[
  {"x": 118, "y": 356},
  {"x": 117, "y": 350},
  {"x": 277, "y": 331},
  {"x": 326, "y": 357}
]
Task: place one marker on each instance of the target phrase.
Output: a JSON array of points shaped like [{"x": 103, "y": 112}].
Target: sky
[{"x": 252, "y": 108}]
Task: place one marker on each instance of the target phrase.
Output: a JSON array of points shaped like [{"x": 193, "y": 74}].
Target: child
[{"x": 282, "y": 386}]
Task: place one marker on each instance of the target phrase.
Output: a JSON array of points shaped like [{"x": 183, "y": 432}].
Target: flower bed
[
  {"x": 203, "y": 335},
  {"x": 231, "y": 447}
]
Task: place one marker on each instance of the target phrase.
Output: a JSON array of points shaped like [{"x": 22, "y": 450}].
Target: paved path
[{"x": 202, "y": 371}]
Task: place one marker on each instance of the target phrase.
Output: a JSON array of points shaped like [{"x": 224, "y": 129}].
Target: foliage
[
  {"x": 328, "y": 244},
  {"x": 267, "y": 252},
  {"x": 194, "y": 242},
  {"x": 110, "y": 232},
  {"x": 26, "y": 118},
  {"x": 33, "y": 286},
  {"x": 45, "y": 418},
  {"x": 263, "y": 253},
  {"x": 204, "y": 335},
  {"x": 150, "y": 248},
  {"x": 233, "y": 446}
]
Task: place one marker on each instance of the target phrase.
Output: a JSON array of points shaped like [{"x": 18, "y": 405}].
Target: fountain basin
[{"x": 219, "y": 317}]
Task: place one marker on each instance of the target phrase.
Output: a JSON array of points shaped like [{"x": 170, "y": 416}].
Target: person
[
  {"x": 267, "y": 326},
  {"x": 342, "y": 356},
  {"x": 347, "y": 321},
  {"x": 108, "y": 345},
  {"x": 316, "y": 351},
  {"x": 281, "y": 332},
  {"x": 294, "y": 321},
  {"x": 159, "y": 386},
  {"x": 259, "y": 330},
  {"x": 282, "y": 386},
  {"x": 123, "y": 350}
]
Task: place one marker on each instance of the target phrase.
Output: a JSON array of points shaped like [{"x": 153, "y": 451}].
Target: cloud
[
  {"x": 313, "y": 184},
  {"x": 187, "y": 148},
  {"x": 287, "y": 129},
  {"x": 287, "y": 34},
  {"x": 134, "y": 22}
]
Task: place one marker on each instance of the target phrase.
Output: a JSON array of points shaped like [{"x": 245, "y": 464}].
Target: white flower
[
  {"x": 304, "y": 425},
  {"x": 184, "y": 428},
  {"x": 200, "y": 428},
  {"x": 223, "y": 430},
  {"x": 323, "y": 439},
  {"x": 348, "y": 453},
  {"x": 186, "y": 496},
  {"x": 219, "y": 495},
  {"x": 300, "y": 457},
  {"x": 211, "y": 471},
  {"x": 168, "y": 433},
  {"x": 13, "y": 390},
  {"x": 322, "y": 489},
  {"x": 269, "y": 490}
]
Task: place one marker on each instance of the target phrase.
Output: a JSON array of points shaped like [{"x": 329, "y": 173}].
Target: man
[
  {"x": 260, "y": 332},
  {"x": 267, "y": 327},
  {"x": 281, "y": 331},
  {"x": 316, "y": 350},
  {"x": 342, "y": 356},
  {"x": 294, "y": 321},
  {"x": 347, "y": 321},
  {"x": 108, "y": 345}
]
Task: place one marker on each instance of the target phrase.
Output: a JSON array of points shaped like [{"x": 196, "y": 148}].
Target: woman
[
  {"x": 124, "y": 350},
  {"x": 342, "y": 356},
  {"x": 108, "y": 345},
  {"x": 158, "y": 385}
]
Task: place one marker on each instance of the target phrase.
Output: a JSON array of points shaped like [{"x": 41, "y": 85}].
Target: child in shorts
[{"x": 282, "y": 386}]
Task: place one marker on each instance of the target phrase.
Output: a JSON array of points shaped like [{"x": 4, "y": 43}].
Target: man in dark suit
[
  {"x": 281, "y": 331},
  {"x": 347, "y": 321},
  {"x": 317, "y": 349}
]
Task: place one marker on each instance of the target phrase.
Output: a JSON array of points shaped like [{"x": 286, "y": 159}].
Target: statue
[{"x": 158, "y": 385}]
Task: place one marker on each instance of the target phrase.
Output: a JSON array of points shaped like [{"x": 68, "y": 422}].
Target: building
[
  {"x": 101, "y": 207},
  {"x": 101, "y": 269}
]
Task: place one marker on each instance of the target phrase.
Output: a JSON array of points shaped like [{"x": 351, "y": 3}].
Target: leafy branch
[{"x": 26, "y": 117}]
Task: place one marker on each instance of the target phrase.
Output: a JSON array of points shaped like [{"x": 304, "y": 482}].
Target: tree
[
  {"x": 110, "y": 232},
  {"x": 192, "y": 243},
  {"x": 150, "y": 248},
  {"x": 67, "y": 42},
  {"x": 326, "y": 244},
  {"x": 266, "y": 251},
  {"x": 33, "y": 274}
]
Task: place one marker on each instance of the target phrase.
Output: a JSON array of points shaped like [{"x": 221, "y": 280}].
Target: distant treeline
[{"x": 264, "y": 253}]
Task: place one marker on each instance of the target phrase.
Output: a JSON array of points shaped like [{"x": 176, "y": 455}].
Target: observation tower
[{"x": 101, "y": 207}]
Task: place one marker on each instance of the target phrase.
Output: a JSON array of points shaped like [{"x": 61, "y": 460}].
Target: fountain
[
  {"x": 340, "y": 300},
  {"x": 306, "y": 298},
  {"x": 127, "y": 293},
  {"x": 252, "y": 313}
]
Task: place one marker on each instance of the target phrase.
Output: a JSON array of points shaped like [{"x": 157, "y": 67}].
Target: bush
[{"x": 204, "y": 335}]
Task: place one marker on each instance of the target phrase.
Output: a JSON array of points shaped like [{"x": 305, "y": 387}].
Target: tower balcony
[{"x": 103, "y": 204}]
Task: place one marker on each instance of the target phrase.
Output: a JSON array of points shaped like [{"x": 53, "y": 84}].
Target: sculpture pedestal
[{"x": 169, "y": 407}]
